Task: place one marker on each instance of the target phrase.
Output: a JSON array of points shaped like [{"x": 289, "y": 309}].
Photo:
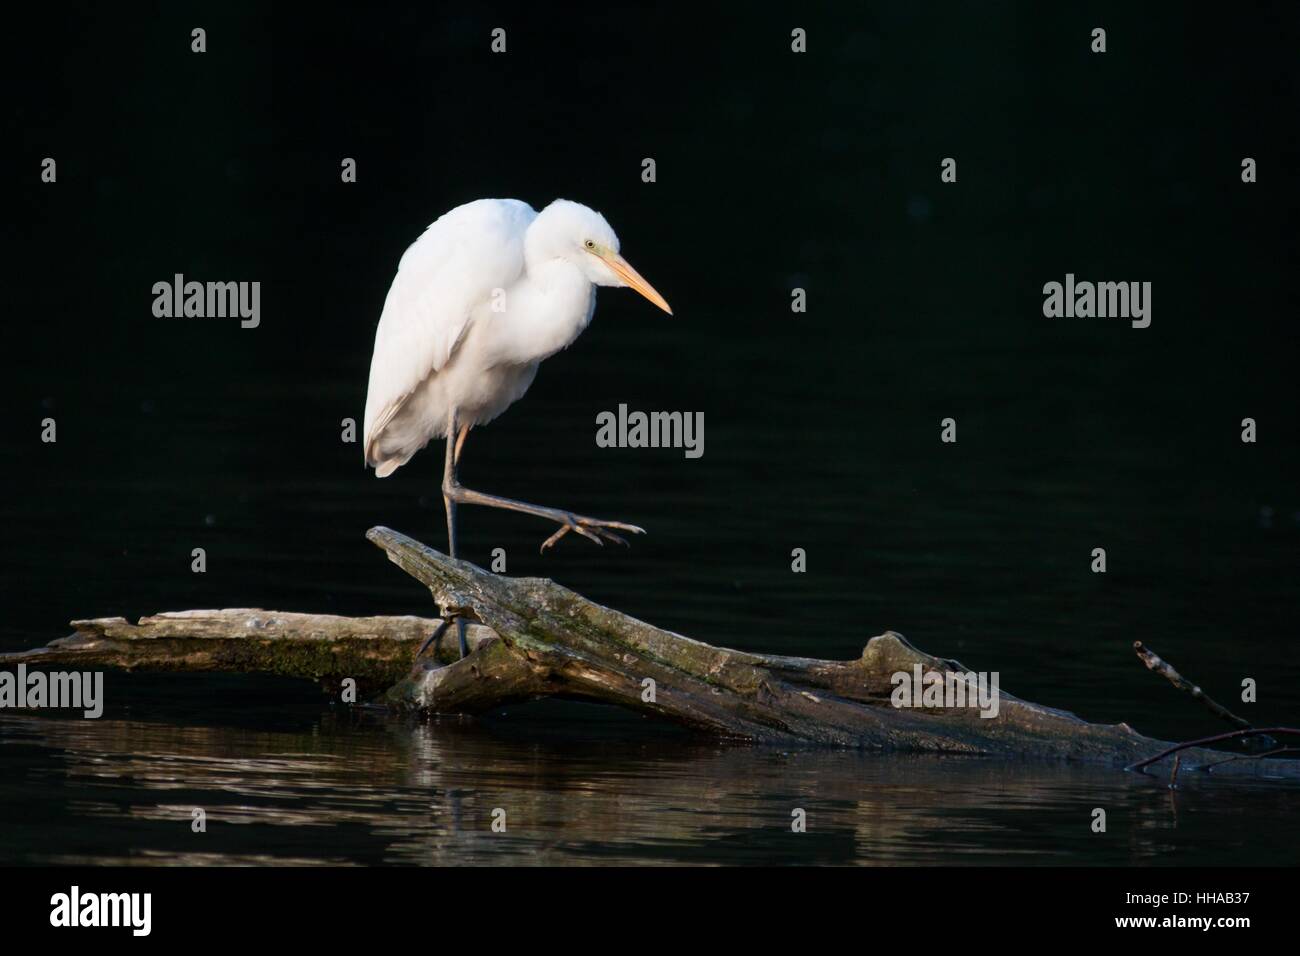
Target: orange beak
[{"x": 632, "y": 279}]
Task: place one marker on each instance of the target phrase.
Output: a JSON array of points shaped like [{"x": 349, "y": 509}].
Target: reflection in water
[{"x": 381, "y": 790}]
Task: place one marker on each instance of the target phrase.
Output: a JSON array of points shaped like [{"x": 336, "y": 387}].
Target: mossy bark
[
  {"x": 376, "y": 652},
  {"x": 552, "y": 642},
  {"x": 531, "y": 638}
]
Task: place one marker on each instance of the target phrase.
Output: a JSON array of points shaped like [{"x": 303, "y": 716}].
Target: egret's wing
[{"x": 442, "y": 278}]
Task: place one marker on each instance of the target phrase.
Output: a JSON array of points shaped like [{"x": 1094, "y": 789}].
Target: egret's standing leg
[{"x": 454, "y": 441}]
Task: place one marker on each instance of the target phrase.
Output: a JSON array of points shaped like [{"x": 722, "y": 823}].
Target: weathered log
[
  {"x": 532, "y": 638},
  {"x": 553, "y": 642},
  {"x": 375, "y": 651}
]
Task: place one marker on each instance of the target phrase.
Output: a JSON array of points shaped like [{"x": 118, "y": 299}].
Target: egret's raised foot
[{"x": 593, "y": 528}]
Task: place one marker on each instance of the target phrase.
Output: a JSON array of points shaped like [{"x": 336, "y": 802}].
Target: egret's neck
[{"x": 544, "y": 312}]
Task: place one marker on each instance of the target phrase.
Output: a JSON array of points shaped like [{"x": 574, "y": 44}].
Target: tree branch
[{"x": 1156, "y": 663}]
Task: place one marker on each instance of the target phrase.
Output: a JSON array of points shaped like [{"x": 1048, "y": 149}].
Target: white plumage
[{"x": 486, "y": 293}]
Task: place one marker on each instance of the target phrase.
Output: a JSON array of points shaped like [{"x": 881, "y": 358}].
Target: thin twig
[
  {"x": 1155, "y": 662},
  {"x": 1159, "y": 665},
  {"x": 1268, "y": 753},
  {"x": 1211, "y": 740}
]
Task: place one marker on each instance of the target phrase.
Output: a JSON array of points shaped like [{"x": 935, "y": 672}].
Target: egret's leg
[
  {"x": 460, "y": 443},
  {"x": 594, "y": 528},
  {"x": 432, "y": 639},
  {"x": 449, "y": 502}
]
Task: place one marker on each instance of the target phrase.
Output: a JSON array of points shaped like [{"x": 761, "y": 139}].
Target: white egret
[{"x": 490, "y": 290}]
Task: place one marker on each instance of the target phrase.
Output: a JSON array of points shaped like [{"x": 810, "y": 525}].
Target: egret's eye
[{"x": 589, "y": 244}]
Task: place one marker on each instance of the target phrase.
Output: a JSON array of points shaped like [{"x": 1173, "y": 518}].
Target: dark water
[
  {"x": 583, "y": 789},
  {"x": 821, "y": 428}
]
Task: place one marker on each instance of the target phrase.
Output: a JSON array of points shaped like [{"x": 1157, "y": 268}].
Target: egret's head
[{"x": 581, "y": 235}]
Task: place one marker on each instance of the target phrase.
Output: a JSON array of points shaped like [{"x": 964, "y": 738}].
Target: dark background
[{"x": 822, "y": 429}]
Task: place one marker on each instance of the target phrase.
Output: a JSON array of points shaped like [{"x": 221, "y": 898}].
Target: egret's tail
[
  {"x": 388, "y": 466},
  {"x": 383, "y": 460}
]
